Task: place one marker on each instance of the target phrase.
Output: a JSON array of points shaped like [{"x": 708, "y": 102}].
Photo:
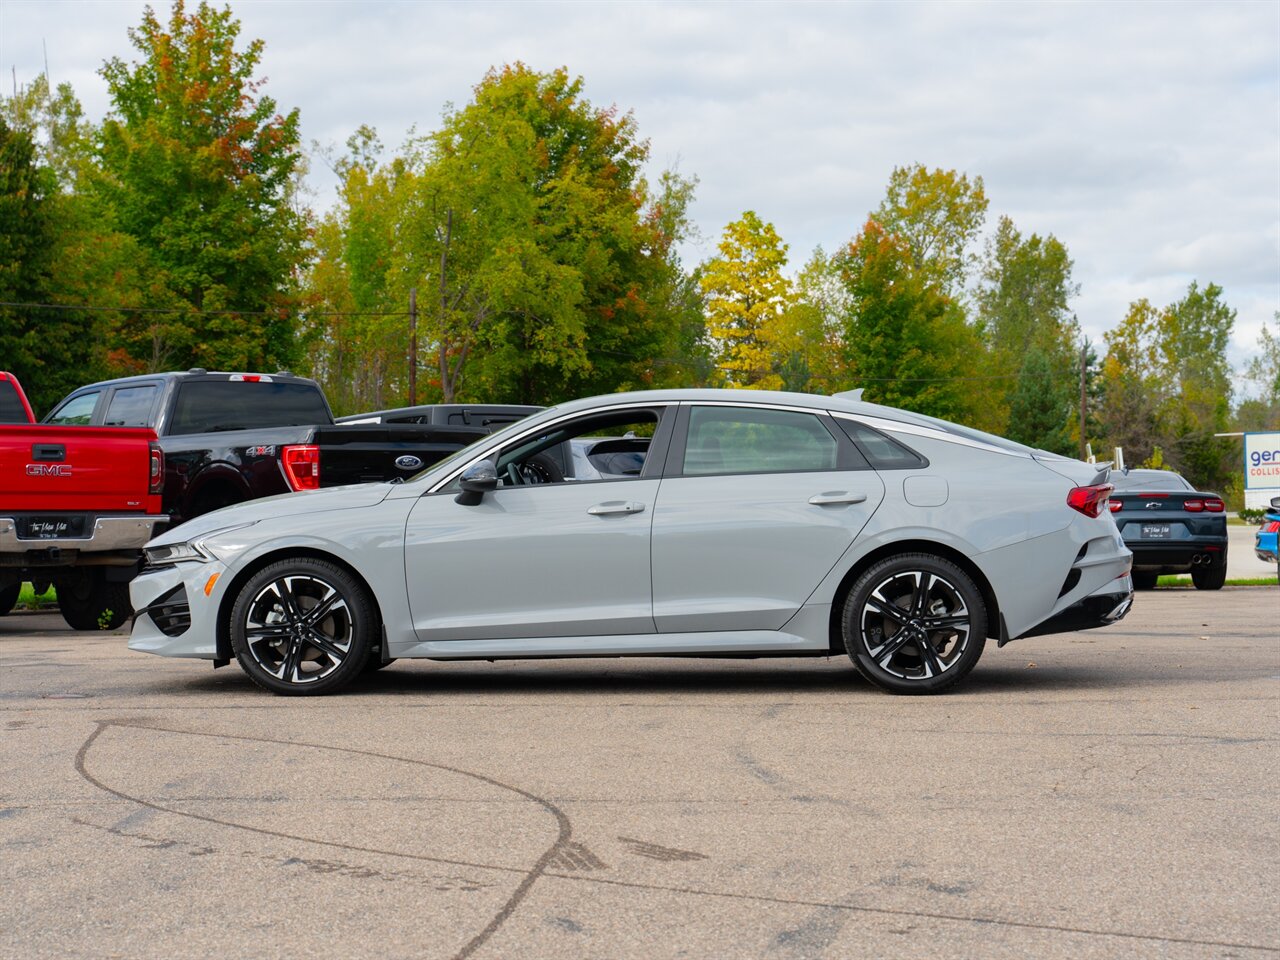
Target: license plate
[
  {"x": 1155, "y": 531},
  {"x": 50, "y": 528}
]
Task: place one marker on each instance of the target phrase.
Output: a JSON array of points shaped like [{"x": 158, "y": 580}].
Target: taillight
[
  {"x": 155, "y": 482},
  {"x": 1116, "y": 506},
  {"x": 1193, "y": 506},
  {"x": 301, "y": 466},
  {"x": 1090, "y": 500},
  {"x": 1214, "y": 505},
  {"x": 1271, "y": 526}
]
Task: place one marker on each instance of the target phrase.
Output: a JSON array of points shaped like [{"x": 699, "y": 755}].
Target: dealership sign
[{"x": 1261, "y": 468}]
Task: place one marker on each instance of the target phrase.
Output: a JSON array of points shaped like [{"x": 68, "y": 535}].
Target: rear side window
[
  {"x": 11, "y": 408},
  {"x": 728, "y": 440},
  {"x": 204, "y": 406},
  {"x": 883, "y": 452},
  {"x": 78, "y": 411},
  {"x": 131, "y": 406}
]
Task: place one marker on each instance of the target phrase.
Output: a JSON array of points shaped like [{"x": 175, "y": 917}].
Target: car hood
[{"x": 308, "y": 502}]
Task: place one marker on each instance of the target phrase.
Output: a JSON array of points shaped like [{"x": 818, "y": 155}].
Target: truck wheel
[
  {"x": 88, "y": 601},
  {"x": 9, "y": 597}
]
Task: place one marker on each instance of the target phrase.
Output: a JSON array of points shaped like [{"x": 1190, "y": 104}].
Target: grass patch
[
  {"x": 1174, "y": 581},
  {"x": 27, "y": 599}
]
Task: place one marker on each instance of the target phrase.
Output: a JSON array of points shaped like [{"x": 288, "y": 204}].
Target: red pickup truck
[{"x": 76, "y": 506}]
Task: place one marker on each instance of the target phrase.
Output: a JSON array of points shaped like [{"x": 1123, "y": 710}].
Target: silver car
[{"x": 767, "y": 524}]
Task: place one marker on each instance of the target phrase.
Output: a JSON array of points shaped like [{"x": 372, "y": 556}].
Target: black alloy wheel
[
  {"x": 302, "y": 626},
  {"x": 914, "y": 623}
]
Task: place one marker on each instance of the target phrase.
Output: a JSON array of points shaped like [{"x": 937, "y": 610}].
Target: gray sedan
[{"x": 766, "y": 524}]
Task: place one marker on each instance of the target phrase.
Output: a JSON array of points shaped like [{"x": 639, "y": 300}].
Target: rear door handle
[
  {"x": 836, "y": 497},
  {"x": 615, "y": 506}
]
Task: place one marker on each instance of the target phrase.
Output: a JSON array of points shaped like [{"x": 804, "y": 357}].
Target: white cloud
[{"x": 1145, "y": 136}]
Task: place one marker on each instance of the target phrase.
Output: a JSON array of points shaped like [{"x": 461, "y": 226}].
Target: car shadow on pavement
[{"x": 707, "y": 677}]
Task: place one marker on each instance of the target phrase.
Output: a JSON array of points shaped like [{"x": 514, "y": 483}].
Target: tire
[
  {"x": 9, "y": 598},
  {"x": 284, "y": 645},
  {"x": 1209, "y": 578},
  {"x": 1144, "y": 579},
  {"x": 907, "y": 641},
  {"x": 88, "y": 601}
]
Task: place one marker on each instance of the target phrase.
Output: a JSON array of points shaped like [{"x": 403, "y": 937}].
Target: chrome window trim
[{"x": 929, "y": 433}]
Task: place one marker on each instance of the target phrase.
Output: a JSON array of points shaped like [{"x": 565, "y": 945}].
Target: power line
[{"x": 102, "y": 308}]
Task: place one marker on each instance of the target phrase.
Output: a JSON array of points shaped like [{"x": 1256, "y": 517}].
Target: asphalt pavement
[{"x": 1110, "y": 793}]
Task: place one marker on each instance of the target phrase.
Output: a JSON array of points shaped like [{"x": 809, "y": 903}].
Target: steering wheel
[{"x": 539, "y": 468}]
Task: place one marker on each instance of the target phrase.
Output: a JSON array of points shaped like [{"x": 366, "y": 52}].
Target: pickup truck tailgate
[{"x": 67, "y": 469}]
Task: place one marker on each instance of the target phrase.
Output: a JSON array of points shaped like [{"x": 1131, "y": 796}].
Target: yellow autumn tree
[{"x": 747, "y": 297}]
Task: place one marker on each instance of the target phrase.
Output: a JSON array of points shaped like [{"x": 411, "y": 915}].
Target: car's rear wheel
[
  {"x": 914, "y": 623},
  {"x": 302, "y": 626},
  {"x": 1145, "y": 579},
  {"x": 1209, "y": 578}
]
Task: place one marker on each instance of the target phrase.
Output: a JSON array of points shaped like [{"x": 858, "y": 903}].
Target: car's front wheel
[
  {"x": 302, "y": 626},
  {"x": 914, "y": 623}
]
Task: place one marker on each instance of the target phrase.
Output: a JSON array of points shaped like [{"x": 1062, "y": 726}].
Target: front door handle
[
  {"x": 836, "y": 497},
  {"x": 615, "y": 506}
]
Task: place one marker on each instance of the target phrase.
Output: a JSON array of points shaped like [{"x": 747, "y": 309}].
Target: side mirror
[{"x": 477, "y": 480}]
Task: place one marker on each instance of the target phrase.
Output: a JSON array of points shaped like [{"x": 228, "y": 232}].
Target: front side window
[
  {"x": 735, "y": 440},
  {"x": 77, "y": 412},
  {"x": 603, "y": 446}
]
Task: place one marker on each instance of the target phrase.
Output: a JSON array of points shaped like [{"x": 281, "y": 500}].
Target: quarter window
[{"x": 729, "y": 440}]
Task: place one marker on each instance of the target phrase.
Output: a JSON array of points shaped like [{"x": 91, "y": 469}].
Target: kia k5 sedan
[{"x": 759, "y": 524}]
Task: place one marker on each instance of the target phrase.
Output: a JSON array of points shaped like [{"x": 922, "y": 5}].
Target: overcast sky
[{"x": 1144, "y": 136}]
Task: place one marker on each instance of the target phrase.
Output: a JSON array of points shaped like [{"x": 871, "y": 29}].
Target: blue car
[{"x": 1265, "y": 545}]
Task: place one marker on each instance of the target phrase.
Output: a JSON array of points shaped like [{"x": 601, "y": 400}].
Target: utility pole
[
  {"x": 413, "y": 346},
  {"x": 1084, "y": 397}
]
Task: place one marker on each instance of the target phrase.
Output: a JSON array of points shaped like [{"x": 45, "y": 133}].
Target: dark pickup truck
[{"x": 231, "y": 437}]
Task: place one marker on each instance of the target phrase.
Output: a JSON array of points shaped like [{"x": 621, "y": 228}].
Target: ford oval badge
[{"x": 408, "y": 462}]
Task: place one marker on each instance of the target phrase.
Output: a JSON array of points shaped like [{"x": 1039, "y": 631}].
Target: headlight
[{"x": 197, "y": 550}]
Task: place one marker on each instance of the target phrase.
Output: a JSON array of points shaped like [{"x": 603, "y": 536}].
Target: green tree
[
  {"x": 200, "y": 171},
  {"x": 936, "y": 214},
  {"x": 1023, "y": 299},
  {"x": 358, "y": 332},
  {"x": 747, "y": 298},
  {"x": 807, "y": 342},
  {"x": 1167, "y": 384},
  {"x": 1262, "y": 412},
  {"x": 906, "y": 341},
  {"x": 532, "y": 229},
  {"x": 49, "y": 349},
  {"x": 1041, "y": 406}
]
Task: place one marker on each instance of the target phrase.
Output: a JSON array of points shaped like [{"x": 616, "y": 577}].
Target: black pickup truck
[{"x": 231, "y": 437}]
